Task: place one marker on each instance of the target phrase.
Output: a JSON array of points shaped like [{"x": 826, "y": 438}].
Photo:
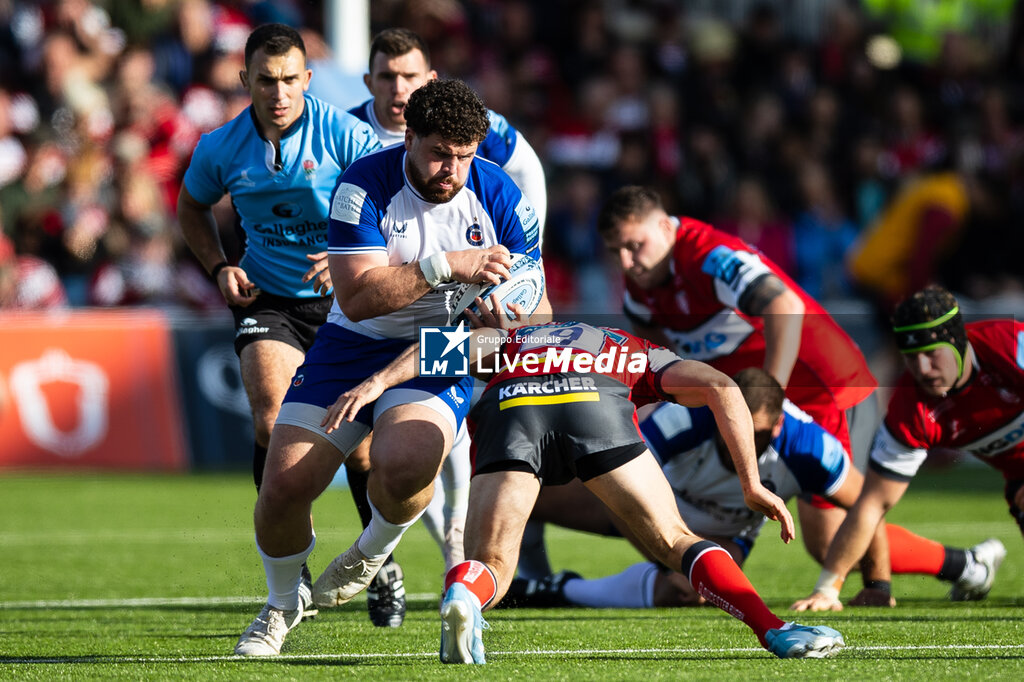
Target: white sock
[
  {"x": 433, "y": 515},
  {"x": 283, "y": 576},
  {"x": 455, "y": 477},
  {"x": 380, "y": 538},
  {"x": 631, "y": 589}
]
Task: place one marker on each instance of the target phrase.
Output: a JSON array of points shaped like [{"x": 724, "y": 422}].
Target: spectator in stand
[
  {"x": 823, "y": 234},
  {"x": 27, "y": 282},
  {"x": 754, "y": 220}
]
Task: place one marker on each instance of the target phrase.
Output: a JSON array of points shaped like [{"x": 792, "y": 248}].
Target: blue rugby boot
[{"x": 462, "y": 626}]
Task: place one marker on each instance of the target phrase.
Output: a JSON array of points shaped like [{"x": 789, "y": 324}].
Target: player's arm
[
  {"x": 783, "y": 315},
  {"x": 875, "y": 567},
  {"x": 483, "y": 343},
  {"x": 879, "y": 494},
  {"x": 695, "y": 384},
  {"x": 199, "y": 228},
  {"x": 366, "y": 285}
]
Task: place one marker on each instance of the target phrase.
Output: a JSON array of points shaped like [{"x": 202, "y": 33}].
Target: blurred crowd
[{"x": 868, "y": 153}]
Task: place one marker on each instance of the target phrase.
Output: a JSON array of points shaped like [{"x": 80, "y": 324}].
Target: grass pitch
[{"x": 154, "y": 577}]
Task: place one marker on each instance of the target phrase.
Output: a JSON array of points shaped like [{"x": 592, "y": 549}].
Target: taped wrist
[
  {"x": 829, "y": 584},
  {"x": 436, "y": 269}
]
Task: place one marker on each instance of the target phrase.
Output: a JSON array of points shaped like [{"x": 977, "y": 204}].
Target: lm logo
[{"x": 444, "y": 351}]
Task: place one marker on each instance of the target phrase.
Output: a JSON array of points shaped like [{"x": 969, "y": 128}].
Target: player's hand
[
  {"x": 493, "y": 315},
  {"x": 348, "y": 404},
  {"x": 817, "y": 602},
  {"x": 319, "y": 274},
  {"x": 235, "y": 286},
  {"x": 480, "y": 265},
  {"x": 872, "y": 597},
  {"x": 762, "y": 500}
]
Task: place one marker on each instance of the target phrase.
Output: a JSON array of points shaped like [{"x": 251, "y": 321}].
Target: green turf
[{"x": 69, "y": 538}]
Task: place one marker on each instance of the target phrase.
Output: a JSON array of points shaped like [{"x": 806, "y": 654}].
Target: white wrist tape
[
  {"x": 436, "y": 269},
  {"x": 829, "y": 584}
]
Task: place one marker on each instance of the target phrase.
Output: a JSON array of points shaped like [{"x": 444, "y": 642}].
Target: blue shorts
[{"x": 341, "y": 359}]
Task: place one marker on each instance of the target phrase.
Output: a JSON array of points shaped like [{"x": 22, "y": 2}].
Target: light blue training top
[{"x": 282, "y": 200}]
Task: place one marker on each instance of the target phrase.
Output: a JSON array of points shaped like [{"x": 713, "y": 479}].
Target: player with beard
[
  {"x": 399, "y": 64},
  {"x": 408, "y": 224}
]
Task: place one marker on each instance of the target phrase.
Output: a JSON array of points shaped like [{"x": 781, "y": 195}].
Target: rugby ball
[{"x": 524, "y": 286}]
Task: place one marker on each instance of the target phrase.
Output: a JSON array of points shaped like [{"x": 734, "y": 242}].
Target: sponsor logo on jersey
[
  {"x": 475, "y": 235},
  {"x": 286, "y": 210},
  {"x": 998, "y": 442}
]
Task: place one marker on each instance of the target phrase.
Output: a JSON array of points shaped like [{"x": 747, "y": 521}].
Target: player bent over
[
  {"x": 963, "y": 388},
  {"x": 546, "y": 418}
]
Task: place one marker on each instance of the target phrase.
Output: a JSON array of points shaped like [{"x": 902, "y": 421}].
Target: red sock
[
  {"x": 477, "y": 578},
  {"x": 717, "y": 578},
  {"x": 909, "y": 553}
]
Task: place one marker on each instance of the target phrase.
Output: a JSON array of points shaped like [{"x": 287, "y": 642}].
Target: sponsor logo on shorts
[
  {"x": 249, "y": 326},
  {"x": 550, "y": 391}
]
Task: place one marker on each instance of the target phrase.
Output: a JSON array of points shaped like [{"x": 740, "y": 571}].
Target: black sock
[
  {"x": 357, "y": 481},
  {"x": 259, "y": 460},
  {"x": 953, "y": 565},
  {"x": 357, "y": 484}
]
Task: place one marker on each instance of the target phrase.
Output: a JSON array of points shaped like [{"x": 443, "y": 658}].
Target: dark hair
[
  {"x": 760, "y": 390},
  {"x": 925, "y": 305},
  {"x": 928, "y": 318},
  {"x": 274, "y": 40},
  {"x": 394, "y": 42},
  {"x": 626, "y": 203},
  {"x": 449, "y": 108}
]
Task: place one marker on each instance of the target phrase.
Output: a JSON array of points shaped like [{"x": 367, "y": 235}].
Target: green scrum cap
[{"x": 945, "y": 330}]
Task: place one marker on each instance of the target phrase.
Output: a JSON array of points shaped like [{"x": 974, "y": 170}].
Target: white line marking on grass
[
  {"x": 163, "y": 601},
  {"x": 433, "y": 654}
]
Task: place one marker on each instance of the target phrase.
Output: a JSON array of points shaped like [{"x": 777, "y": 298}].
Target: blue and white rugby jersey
[
  {"x": 376, "y": 210},
  {"x": 283, "y": 212},
  {"x": 804, "y": 458},
  {"x": 504, "y": 145}
]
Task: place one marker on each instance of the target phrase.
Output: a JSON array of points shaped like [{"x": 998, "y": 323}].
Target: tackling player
[
  {"x": 963, "y": 388},
  {"x": 570, "y": 412},
  {"x": 795, "y": 456}
]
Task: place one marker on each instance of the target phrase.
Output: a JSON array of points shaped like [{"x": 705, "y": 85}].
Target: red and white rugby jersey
[
  {"x": 985, "y": 418},
  {"x": 542, "y": 350},
  {"x": 698, "y": 309}
]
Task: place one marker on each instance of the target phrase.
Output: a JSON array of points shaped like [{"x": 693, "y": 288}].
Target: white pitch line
[
  {"x": 163, "y": 601},
  {"x": 433, "y": 654}
]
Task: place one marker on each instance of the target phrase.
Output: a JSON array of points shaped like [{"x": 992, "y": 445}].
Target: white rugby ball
[{"x": 525, "y": 286}]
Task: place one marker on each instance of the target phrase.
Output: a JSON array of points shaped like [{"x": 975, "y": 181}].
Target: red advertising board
[{"x": 89, "y": 389}]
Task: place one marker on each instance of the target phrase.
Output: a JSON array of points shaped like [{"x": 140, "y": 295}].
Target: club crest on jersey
[
  {"x": 299, "y": 378},
  {"x": 309, "y": 168},
  {"x": 475, "y": 235}
]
